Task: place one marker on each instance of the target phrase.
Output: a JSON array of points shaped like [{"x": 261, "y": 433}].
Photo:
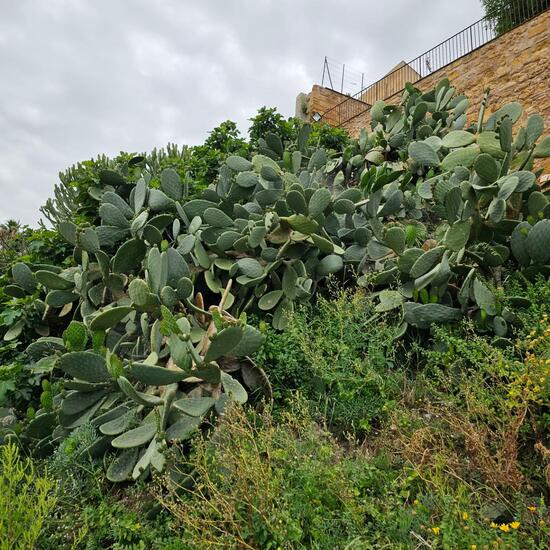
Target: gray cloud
[{"x": 84, "y": 77}]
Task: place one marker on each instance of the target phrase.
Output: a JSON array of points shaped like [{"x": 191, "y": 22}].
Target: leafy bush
[
  {"x": 341, "y": 355},
  {"x": 265, "y": 484},
  {"x": 268, "y": 120},
  {"x": 329, "y": 137},
  {"x": 26, "y": 500}
]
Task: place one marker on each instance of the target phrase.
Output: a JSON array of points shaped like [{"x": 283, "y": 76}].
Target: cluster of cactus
[
  {"x": 425, "y": 211},
  {"x": 478, "y": 196},
  {"x": 144, "y": 376}
]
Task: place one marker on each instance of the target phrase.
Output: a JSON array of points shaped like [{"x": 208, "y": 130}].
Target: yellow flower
[
  {"x": 415, "y": 502},
  {"x": 465, "y": 516},
  {"x": 494, "y": 525},
  {"x": 532, "y": 508},
  {"x": 514, "y": 524},
  {"x": 504, "y": 527},
  {"x": 436, "y": 530},
  {"x": 474, "y": 547}
]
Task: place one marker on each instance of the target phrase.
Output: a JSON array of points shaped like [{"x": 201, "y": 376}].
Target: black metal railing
[{"x": 455, "y": 47}]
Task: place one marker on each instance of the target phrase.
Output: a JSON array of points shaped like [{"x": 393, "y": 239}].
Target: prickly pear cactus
[{"x": 428, "y": 211}]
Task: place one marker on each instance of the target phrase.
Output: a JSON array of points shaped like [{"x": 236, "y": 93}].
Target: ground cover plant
[{"x": 198, "y": 318}]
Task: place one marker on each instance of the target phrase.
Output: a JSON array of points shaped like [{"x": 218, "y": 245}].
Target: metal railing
[
  {"x": 341, "y": 77},
  {"x": 455, "y": 47}
]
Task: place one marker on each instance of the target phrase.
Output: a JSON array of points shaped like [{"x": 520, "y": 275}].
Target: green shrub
[
  {"x": 264, "y": 484},
  {"x": 26, "y": 500},
  {"x": 341, "y": 354},
  {"x": 268, "y": 120},
  {"x": 329, "y": 137}
]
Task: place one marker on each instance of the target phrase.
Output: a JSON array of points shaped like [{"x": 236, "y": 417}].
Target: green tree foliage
[
  {"x": 507, "y": 14},
  {"x": 206, "y": 160},
  {"x": 268, "y": 120}
]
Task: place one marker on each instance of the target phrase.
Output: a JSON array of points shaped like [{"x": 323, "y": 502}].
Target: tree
[{"x": 507, "y": 14}]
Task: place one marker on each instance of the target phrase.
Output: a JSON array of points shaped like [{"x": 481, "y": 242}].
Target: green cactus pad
[
  {"x": 129, "y": 256},
  {"x": 156, "y": 376},
  {"x": 223, "y": 343},
  {"x": 319, "y": 201},
  {"x": 135, "y": 438},
  {"x": 139, "y": 397},
  {"x": 119, "y": 424},
  {"x": 170, "y": 183},
  {"x": 238, "y": 164},
  {"x": 58, "y": 298},
  {"x": 111, "y": 215},
  {"x": 460, "y": 157},
  {"x": 75, "y": 336},
  {"x": 109, "y": 318},
  {"x": 183, "y": 428},
  {"x": 23, "y": 276},
  {"x": 269, "y": 301},
  {"x": 424, "y": 315},
  {"x": 234, "y": 388},
  {"x": 426, "y": 262},
  {"x": 122, "y": 466},
  {"x": 538, "y": 242},
  {"x": 458, "y": 138},
  {"x": 84, "y": 365},
  {"x": 457, "y": 235},
  {"x": 47, "y": 345},
  {"x": 75, "y": 402},
  {"x": 53, "y": 281},
  {"x": 195, "y": 406},
  {"x": 422, "y": 153}
]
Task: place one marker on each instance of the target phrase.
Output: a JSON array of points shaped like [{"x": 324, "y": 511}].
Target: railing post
[{"x": 342, "y": 85}]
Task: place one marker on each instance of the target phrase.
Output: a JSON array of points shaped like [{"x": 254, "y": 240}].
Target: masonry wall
[
  {"x": 321, "y": 100},
  {"x": 515, "y": 66}
]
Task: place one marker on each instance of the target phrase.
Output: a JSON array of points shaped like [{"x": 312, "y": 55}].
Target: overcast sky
[{"x": 84, "y": 77}]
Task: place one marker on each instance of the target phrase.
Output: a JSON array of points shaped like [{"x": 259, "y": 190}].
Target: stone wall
[
  {"x": 321, "y": 100},
  {"x": 515, "y": 66}
]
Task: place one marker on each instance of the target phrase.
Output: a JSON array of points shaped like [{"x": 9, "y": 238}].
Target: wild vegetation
[{"x": 299, "y": 340}]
